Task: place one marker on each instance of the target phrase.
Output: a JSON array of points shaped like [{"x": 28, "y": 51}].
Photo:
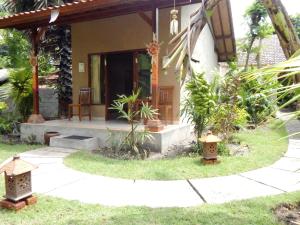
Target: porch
[{"x": 100, "y": 129}]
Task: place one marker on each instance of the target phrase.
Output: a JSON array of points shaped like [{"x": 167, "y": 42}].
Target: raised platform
[{"x": 100, "y": 129}]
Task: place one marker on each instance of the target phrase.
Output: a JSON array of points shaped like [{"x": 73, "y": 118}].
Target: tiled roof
[{"x": 271, "y": 53}]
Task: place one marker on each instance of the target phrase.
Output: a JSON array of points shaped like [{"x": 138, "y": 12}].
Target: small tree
[
  {"x": 259, "y": 28},
  {"x": 198, "y": 104},
  {"x": 127, "y": 107}
]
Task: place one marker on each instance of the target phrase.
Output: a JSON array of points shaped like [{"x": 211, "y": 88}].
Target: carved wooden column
[
  {"x": 153, "y": 48},
  {"x": 36, "y": 117}
]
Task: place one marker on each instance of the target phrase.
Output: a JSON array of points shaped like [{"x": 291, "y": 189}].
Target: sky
[{"x": 239, "y": 7}]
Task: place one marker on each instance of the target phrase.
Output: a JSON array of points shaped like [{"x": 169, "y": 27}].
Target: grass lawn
[
  {"x": 265, "y": 144},
  {"x": 57, "y": 211}
]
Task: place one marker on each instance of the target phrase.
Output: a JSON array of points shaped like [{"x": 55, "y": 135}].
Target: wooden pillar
[
  {"x": 36, "y": 117},
  {"x": 155, "y": 125}
]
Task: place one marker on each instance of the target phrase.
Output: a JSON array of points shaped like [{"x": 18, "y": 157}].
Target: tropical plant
[
  {"x": 269, "y": 74},
  {"x": 230, "y": 114},
  {"x": 198, "y": 104},
  {"x": 126, "y": 106},
  {"x": 21, "y": 90}
]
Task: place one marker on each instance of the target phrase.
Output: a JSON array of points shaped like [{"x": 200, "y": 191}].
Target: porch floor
[
  {"x": 115, "y": 125},
  {"x": 99, "y": 128}
]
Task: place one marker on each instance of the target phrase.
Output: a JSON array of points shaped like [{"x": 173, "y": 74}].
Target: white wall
[{"x": 204, "y": 51}]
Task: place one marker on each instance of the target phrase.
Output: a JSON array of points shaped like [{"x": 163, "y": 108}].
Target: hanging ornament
[
  {"x": 153, "y": 49},
  {"x": 174, "y": 20}
]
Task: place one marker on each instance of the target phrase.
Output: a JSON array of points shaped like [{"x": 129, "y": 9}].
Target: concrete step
[{"x": 75, "y": 142}]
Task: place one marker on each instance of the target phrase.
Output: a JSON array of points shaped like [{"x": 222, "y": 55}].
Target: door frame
[{"x": 135, "y": 74}]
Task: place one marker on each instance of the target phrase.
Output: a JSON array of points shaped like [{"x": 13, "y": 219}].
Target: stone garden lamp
[{"x": 210, "y": 147}]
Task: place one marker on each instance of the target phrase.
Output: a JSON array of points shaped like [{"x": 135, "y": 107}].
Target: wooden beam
[
  {"x": 84, "y": 10},
  {"x": 222, "y": 30},
  {"x": 35, "y": 71},
  {"x": 36, "y": 34},
  {"x": 146, "y": 18}
]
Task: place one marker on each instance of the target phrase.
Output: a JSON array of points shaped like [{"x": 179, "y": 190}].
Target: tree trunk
[
  {"x": 248, "y": 53},
  {"x": 283, "y": 26},
  {"x": 258, "y": 55}
]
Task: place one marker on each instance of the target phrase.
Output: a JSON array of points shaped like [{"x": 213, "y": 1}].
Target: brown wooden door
[{"x": 119, "y": 74}]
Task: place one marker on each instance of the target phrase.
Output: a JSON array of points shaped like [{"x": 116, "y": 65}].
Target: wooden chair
[
  {"x": 165, "y": 106},
  {"x": 84, "y": 102}
]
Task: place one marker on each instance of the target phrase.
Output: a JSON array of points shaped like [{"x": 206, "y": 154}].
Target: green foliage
[
  {"x": 21, "y": 91},
  {"x": 296, "y": 22},
  {"x": 6, "y": 125},
  {"x": 199, "y": 103},
  {"x": 255, "y": 16},
  {"x": 3, "y": 106},
  {"x": 241, "y": 118},
  {"x": 126, "y": 107},
  {"x": 223, "y": 150},
  {"x": 15, "y": 49},
  {"x": 45, "y": 64},
  {"x": 227, "y": 118},
  {"x": 228, "y": 115},
  {"x": 257, "y": 99},
  {"x": 259, "y": 107}
]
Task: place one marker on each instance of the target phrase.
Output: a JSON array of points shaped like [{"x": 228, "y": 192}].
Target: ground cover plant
[{"x": 265, "y": 148}]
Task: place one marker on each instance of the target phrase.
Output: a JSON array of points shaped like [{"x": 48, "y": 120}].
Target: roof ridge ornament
[{"x": 54, "y": 15}]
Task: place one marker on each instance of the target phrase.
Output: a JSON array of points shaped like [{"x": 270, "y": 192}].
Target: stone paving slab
[
  {"x": 229, "y": 188},
  {"x": 43, "y": 161},
  {"x": 44, "y": 154},
  {"x": 289, "y": 164},
  {"x": 119, "y": 192},
  {"x": 283, "y": 180},
  {"x": 46, "y": 182}
]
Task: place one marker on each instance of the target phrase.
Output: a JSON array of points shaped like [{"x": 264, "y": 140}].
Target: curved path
[{"x": 54, "y": 179}]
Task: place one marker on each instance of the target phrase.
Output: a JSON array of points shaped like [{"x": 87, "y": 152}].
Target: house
[
  {"x": 271, "y": 53},
  {"x": 109, "y": 54}
]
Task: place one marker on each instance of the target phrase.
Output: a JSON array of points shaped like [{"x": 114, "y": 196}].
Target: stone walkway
[{"x": 54, "y": 179}]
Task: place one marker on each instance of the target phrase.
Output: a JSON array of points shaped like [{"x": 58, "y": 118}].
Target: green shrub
[
  {"x": 223, "y": 150},
  {"x": 6, "y": 125},
  {"x": 21, "y": 91},
  {"x": 227, "y": 118},
  {"x": 259, "y": 107},
  {"x": 199, "y": 103}
]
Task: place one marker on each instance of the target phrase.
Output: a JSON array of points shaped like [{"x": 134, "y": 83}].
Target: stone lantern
[
  {"x": 210, "y": 148},
  {"x": 18, "y": 187}
]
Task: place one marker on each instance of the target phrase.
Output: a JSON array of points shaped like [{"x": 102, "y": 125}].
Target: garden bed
[
  {"x": 288, "y": 213},
  {"x": 266, "y": 145}
]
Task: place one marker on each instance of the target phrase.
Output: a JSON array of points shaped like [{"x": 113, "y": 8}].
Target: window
[{"x": 97, "y": 79}]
